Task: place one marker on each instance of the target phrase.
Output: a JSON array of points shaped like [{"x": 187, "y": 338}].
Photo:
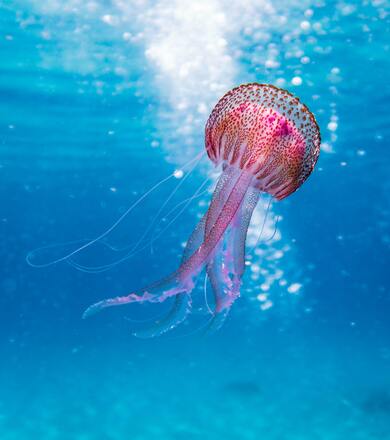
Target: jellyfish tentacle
[
  {"x": 222, "y": 190},
  {"x": 192, "y": 265},
  {"x": 182, "y": 301},
  {"x": 131, "y": 253},
  {"x": 215, "y": 265},
  {"x": 99, "y": 239},
  {"x": 224, "y": 282},
  {"x": 241, "y": 229},
  {"x": 182, "y": 281},
  {"x": 227, "y": 267},
  {"x": 160, "y": 291},
  {"x": 187, "y": 203},
  {"x": 152, "y": 223},
  {"x": 224, "y": 187},
  {"x": 178, "y": 313},
  {"x": 202, "y": 255},
  {"x": 156, "y": 293}
]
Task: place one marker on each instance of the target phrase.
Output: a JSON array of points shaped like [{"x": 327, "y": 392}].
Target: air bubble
[
  {"x": 296, "y": 81},
  {"x": 178, "y": 174},
  {"x": 294, "y": 288},
  {"x": 332, "y": 126}
]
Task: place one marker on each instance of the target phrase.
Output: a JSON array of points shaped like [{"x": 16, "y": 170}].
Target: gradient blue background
[{"x": 89, "y": 119}]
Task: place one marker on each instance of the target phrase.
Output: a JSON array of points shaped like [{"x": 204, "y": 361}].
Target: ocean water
[{"x": 102, "y": 99}]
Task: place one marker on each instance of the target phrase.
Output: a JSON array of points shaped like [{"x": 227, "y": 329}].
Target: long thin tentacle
[
  {"x": 227, "y": 267},
  {"x": 130, "y": 254},
  {"x": 100, "y": 237},
  {"x": 182, "y": 281},
  {"x": 232, "y": 205},
  {"x": 182, "y": 301}
]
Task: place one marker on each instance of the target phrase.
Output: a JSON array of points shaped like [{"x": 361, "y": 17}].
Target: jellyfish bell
[
  {"x": 266, "y": 131},
  {"x": 267, "y": 141}
]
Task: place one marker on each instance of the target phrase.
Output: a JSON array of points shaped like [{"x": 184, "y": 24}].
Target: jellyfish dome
[
  {"x": 266, "y": 141},
  {"x": 266, "y": 131}
]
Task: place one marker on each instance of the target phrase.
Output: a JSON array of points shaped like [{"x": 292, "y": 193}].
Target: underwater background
[{"x": 100, "y": 100}]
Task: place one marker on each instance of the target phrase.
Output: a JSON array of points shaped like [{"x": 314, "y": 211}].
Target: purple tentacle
[
  {"x": 201, "y": 256},
  {"x": 206, "y": 244},
  {"x": 182, "y": 302},
  {"x": 227, "y": 267}
]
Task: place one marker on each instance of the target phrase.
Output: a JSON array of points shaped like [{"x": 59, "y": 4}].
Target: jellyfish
[{"x": 266, "y": 141}]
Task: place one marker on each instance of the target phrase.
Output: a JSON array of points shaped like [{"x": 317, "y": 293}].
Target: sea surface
[{"x": 100, "y": 101}]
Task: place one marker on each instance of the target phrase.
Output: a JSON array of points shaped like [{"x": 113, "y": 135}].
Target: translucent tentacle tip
[
  {"x": 119, "y": 300},
  {"x": 94, "y": 308}
]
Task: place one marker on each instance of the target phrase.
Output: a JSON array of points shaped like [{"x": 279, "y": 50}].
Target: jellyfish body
[{"x": 266, "y": 141}]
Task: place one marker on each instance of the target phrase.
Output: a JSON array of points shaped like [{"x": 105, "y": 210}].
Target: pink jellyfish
[{"x": 266, "y": 140}]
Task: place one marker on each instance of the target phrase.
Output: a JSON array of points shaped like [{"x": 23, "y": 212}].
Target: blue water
[{"x": 101, "y": 100}]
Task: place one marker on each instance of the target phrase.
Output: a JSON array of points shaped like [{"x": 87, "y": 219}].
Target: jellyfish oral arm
[
  {"x": 226, "y": 269},
  {"x": 197, "y": 261},
  {"x": 233, "y": 196}
]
